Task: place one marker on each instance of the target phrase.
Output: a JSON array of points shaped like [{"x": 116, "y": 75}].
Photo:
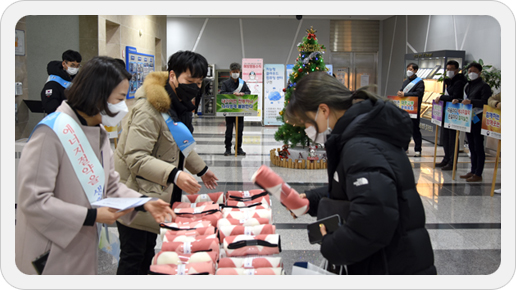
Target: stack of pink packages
[
  {"x": 248, "y": 237},
  {"x": 190, "y": 244}
]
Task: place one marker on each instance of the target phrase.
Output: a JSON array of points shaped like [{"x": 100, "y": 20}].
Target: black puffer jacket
[
  {"x": 53, "y": 94},
  {"x": 385, "y": 230}
]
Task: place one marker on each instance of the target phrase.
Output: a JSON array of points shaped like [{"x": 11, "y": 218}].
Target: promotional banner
[
  {"x": 290, "y": 67},
  {"x": 139, "y": 65},
  {"x": 408, "y": 104},
  {"x": 274, "y": 96},
  {"x": 232, "y": 105},
  {"x": 491, "y": 122},
  {"x": 458, "y": 117},
  {"x": 437, "y": 112},
  {"x": 252, "y": 74}
]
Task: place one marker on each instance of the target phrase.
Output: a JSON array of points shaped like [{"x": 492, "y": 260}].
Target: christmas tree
[{"x": 310, "y": 59}]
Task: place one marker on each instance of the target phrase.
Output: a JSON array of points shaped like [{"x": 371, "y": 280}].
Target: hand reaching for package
[
  {"x": 160, "y": 210},
  {"x": 209, "y": 179},
  {"x": 187, "y": 183}
]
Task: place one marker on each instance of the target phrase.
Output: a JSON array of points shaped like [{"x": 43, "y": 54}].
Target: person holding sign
[
  {"x": 66, "y": 166},
  {"x": 234, "y": 85},
  {"x": 370, "y": 179},
  {"x": 155, "y": 147},
  {"x": 455, "y": 82},
  {"x": 414, "y": 86},
  {"x": 476, "y": 92}
]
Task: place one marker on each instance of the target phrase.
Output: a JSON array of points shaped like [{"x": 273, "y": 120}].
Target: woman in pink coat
[{"x": 54, "y": 213}]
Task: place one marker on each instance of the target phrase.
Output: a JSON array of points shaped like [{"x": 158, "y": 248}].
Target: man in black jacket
[
  {"x": 455, "y": 83},
  {"x": 414, "y": 86},
  {"x": 476, "y": 92},
  {"x": 238, "y": 87},
  {"x": 60, "y": 76}
]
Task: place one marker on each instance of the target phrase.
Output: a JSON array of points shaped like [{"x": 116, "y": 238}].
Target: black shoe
[
  {"x": 227, "y": 153},
  {"x": 442, "y": 164},
  {"x": 447, "y": 167},
  {"x": 241, "y": 152}
]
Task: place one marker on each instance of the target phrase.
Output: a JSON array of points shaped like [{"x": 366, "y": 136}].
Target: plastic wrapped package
[
  {"x": 183, "y": 238},
  {"x": 251, "y": 262},
  {"x": 216, "y": 197},
  {"x": 262, "y": 201},
  {"x": 235, "y": 230},
  {"x": 192, "y": 247},
  {"x": 242, "y": 222},
  {"x": 167, "y": 257},
  {"x": 247, "y": 213},
  {"x": 179, "y": 204},
  {"x": 274, "y": 184},
  {"x": 248, "y": 195},
  {"x": 212, "y": 218},
  {"x": 203, "y": 268},
  {"x": 242, "y": 271},
  {"x": 244, "y": 245}
]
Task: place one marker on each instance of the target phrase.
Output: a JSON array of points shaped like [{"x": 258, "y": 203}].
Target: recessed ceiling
[{"x": 324, "y": 17}]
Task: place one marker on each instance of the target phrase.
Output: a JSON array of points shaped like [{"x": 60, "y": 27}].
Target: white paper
[{"x": 121, "y": 203}]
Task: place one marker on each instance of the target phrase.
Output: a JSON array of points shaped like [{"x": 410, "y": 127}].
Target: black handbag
[{"x": 328, "y": 207}]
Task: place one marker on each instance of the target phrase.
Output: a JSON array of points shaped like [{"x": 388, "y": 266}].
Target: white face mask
[
  {"x": 410, "y": 73},
  {"x": 473, "y": 76},
  {"x": 72, "y": 70},
  {"x": 321, "y": 137},
  {"x": 120, "y": 108},
  {"x": 450, "y": 74},
  {"x": 235, "y": 75}
]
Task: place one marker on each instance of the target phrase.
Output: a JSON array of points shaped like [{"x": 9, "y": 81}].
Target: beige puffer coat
[{"x": 147, "y": 153}]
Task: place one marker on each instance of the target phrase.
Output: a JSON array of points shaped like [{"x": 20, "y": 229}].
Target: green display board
[{"x": 232, "y": 105}]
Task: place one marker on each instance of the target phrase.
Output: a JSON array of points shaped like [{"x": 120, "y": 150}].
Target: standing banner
[
  {"x": 458, "y": 117},
  {"x": 252, "y": 74},
  {"x": 290, "y": 67},
  {"x": 408, "y": 104},
  {"x": 274, "y": 96},
  {"x": 491, "y": 122},
  {"x": 437, "y": 113},
  {"x": 240, "y": 106}
]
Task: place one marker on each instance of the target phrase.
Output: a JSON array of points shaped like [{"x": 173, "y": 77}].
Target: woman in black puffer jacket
[{"x": 384, "y": 232}]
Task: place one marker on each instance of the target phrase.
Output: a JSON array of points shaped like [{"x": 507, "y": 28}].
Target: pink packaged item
[
  {"x": 289, "y": 197},
  {"x": 194, "y": 211},
  {"x": 242, "y": 271},
  {"x": 179, "y": 204},
  {"x": 244, "y": 245},
  {"x": 263, "y": 202},
  {"x": 247, "y": 213},
  {"x": 190, "y": 239},
  {"x": 186, "y": 225},
  {"x": 193, "y": 232},
  {"x": 212, "y": 218},
  {"x": 248, "y": 195},
  {"x": 163, "y": 258},
  {"x": 191, "y": 247},
  {"x": 206, "y": 268},
  {"x": 216, "y": 197},
  {"x": 251, "y": 262},
  {"x": 242, "y": 222},
  {"x": 226, "y": 231}
]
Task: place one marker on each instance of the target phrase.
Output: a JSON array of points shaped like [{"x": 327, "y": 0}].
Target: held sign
[
  {"x": 458, "y": 117},
  {"x": 409, "y": 104},
  {"x": 437, "y": 112},
  {"x": 239, "y": 106},
  {"x": 491, "y": 122}
]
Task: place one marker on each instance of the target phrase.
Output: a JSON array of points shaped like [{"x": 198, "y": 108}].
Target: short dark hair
[
  {"x": 180, "y": 61},
  {"x": 94, "y": 84},
  {"x": 71, "y": 55},
  {"x": 235, "y": 66},
  {"x": 454, "y": 63},
  {"x": 413, "y": 65},
  {"x": 121, "y": 62},
  {"x": 475, "y": 65}
]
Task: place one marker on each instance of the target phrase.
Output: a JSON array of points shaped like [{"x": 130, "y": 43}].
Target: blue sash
[
  {"x": 240, "y": 85},
  {"x": 86, "y": 165},
  {"x": 59, "y": 80},
  {"x": 412, "y": 84},
  {"x": 181, "y": 134}
]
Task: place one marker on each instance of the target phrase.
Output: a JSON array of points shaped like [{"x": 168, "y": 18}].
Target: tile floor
[{"x": 463, "y": 220}]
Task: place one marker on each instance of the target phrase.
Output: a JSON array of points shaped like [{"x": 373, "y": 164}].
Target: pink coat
[{"x": 52, "y": 205}]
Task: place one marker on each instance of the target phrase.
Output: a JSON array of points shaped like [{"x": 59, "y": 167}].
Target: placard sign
[
  {"x": 437, "y": 112},
  {"x": 408, "y": 104},
  {"x": 458, "y": 117},
  {"x": 491, "y": 122},
  {"x": 274, "y": 96},
  {"x": 232, "y": 105},
  {"x": 252, "y": 74}
]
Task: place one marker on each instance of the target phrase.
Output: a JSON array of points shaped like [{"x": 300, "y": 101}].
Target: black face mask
[{"x": 187, "y": 91}]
